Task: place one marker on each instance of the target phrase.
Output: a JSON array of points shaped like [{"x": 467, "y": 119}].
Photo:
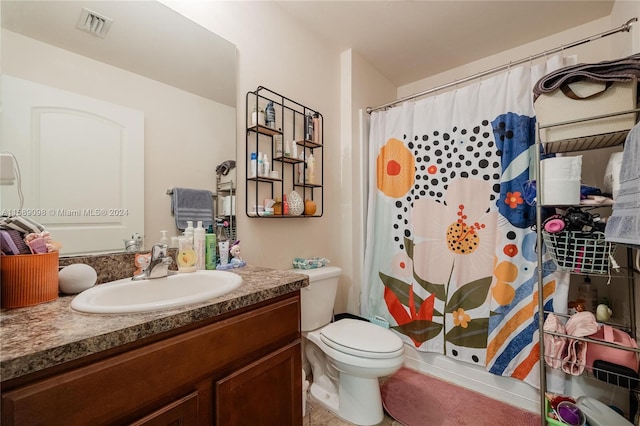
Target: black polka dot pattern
[{"x": 443, "y": 155}]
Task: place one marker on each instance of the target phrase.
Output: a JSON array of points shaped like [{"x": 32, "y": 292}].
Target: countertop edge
[{"x": 130, "y": 328}]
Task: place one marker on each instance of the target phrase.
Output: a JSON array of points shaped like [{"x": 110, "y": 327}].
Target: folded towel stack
[
  {"x": 192, "y": 204},
  {"x": 624, "y": 224},
  {"x": 624, "y": 69}
]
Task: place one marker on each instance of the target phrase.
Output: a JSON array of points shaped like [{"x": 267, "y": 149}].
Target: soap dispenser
[
  {"x": 164, "y": 239},
  {"x": 188, "y": 231}
]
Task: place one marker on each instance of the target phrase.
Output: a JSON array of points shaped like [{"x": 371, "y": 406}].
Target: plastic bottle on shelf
[
  {"x": 254, "y": 164},
  {"x": 589, "y": 294},
  {"x": 316, "y": 128},
  {"x": 199, "y": 245},
  {"x": 260, "y": 168},
  {"x": 294, "y": 149},
  {"x": 270, "y": 115},
  {"x": 279, "y": 148},
  {"x": 308, "y": 127},
  {"x": 266, "y": 166},
  {"x": 311, "y": 165},
  {"x": 285, "y": 205},
  {"x": 302, "y": 169}
]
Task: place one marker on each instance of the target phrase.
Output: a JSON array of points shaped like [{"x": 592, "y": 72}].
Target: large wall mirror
[{"x": 107, "y": 106}]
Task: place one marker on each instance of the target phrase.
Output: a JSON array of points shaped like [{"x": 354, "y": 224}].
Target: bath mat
[{"x": 415, "y": 399}]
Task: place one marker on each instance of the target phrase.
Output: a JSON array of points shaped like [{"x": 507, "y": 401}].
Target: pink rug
[{"x": 415, "y": 399}]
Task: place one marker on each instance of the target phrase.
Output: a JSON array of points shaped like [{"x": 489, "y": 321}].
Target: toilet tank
[{"x": 318, "y": 298}]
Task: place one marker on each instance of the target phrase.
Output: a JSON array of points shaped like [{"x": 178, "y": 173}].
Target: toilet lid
[{"x": 361, "y": 338}]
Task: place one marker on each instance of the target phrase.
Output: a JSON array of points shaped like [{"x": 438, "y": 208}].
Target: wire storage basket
[{"x": 579, "y": 252}]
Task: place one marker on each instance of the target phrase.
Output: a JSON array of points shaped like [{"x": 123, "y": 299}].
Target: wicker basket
[
  {"x": 579, "y": 252},
  {"x": 29, "y": 279}
]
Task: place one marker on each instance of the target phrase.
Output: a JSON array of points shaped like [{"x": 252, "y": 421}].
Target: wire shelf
[{"x": 580, "y": 252}]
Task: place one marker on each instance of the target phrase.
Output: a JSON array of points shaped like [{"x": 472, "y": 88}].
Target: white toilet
[{"x": 348, "y": 356}]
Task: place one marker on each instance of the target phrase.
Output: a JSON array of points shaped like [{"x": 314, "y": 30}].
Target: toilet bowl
[{"x": 347, "y": 357}]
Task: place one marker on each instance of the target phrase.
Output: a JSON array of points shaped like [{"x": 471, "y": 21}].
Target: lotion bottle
[
  {"x": 266, "y": 166},
  {"x": 199, "y": 236}
]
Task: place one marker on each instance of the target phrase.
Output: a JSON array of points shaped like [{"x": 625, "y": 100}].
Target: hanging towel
[
  {"x": 624, "y": 224},
  {"x": 625, "y": 69},
  {"x": 192, "y": 204}
]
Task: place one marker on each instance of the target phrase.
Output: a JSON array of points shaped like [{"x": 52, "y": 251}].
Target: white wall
[
  {"x": 361, "y": 86},
  {"x": 276, "y": 52},
  {"x": 186, "y": 135}
]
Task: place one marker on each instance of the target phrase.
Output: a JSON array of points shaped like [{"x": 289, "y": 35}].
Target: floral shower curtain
[{"x": 450, "y": 257}]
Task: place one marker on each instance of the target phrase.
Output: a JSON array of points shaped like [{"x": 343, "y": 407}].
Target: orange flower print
[
  {"x": 510, "y": 250},
  {"x": 460, "y": 318},
  {"x": 513, "y": 199},
  {"x": 395, "y": 169}
]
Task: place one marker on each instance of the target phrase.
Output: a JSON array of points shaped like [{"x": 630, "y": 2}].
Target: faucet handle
[{"x": 158, "y": 251}]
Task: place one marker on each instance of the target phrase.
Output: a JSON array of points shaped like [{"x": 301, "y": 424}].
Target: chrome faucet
[{"x": 158, "y": 265}]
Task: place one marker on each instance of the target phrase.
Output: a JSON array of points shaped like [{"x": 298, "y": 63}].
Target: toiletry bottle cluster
[
  {"x": 260, "y": 165},
  {"x": 284, "y": 157},
  {"x": 197, "y": 248}
]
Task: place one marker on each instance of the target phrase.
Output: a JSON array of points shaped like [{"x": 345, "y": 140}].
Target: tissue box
[{"x": 597, "y": 99}]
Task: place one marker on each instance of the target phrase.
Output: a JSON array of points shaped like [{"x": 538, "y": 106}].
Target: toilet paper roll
[
  {"x": 560, "y": 192},
  {"x": 562, "y": 168},
  {"x": 612, "y": 174}
]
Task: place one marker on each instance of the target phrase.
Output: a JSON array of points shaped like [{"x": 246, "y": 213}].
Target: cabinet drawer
[{"x": 115, "y": 388}]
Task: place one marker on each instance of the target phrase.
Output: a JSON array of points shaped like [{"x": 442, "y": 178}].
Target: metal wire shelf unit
[
  {"x": 572, "y": 145},
  {"x": 289, "y": 126}
]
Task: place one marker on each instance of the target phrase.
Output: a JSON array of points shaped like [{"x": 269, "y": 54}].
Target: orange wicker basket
[{"x": 29, "y": 279}]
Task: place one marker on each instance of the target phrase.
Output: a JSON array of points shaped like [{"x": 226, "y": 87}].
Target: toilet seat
[{"x": 362, "y": 339}]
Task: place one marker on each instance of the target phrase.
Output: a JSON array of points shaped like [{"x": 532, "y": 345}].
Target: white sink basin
[{"x": 126, "y": 295}]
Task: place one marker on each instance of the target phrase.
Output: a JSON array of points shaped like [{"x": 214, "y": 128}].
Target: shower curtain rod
[{"x": 623, "y": 28}]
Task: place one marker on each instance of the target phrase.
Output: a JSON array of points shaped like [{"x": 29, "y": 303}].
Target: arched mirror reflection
[{"x": 107, "y": 106}]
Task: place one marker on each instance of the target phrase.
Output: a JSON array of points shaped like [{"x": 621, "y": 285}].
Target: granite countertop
[{"x": 45, "y": 335}]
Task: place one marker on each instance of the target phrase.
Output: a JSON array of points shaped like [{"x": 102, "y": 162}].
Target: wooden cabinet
[
  {"x": 245, "y": 366},
  {"x": 240, "y": 404},
  {"x": 292, "y": 145}
]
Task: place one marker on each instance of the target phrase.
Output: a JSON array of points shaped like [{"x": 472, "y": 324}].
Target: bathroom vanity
[{"x": 234, "y": 360}]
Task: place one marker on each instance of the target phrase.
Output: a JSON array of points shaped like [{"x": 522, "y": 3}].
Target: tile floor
[{"x": 319, "y": 416}]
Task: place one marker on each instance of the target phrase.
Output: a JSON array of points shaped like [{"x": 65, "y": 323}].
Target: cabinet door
[
  {"x": 267, "y": 392},
  {"x": 181, "y": 412}
]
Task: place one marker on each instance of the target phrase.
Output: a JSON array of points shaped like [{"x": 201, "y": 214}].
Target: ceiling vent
[{"x": 93, "y": 23}]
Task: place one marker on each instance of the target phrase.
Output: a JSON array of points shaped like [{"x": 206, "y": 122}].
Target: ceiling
[
  {"x": 404, "y": 40},
  {"x": 146, "y": 37},
  {"x": 407, "y": 41}
]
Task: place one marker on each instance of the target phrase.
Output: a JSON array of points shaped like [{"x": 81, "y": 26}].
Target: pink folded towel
[
  {"x": 580, "y": 324},
  {"x": 554, "y": 346}
]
